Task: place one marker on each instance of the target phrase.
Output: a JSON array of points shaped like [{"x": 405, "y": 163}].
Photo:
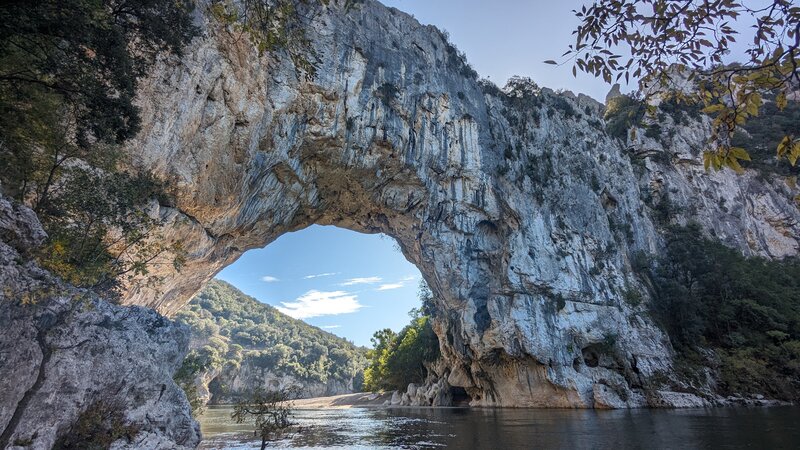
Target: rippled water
[{"x": 506, "y": 429}]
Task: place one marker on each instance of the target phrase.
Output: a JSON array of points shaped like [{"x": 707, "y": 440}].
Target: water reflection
[{"x": 509, "y": 429}]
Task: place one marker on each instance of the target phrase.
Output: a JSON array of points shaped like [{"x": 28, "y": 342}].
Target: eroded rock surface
[
  {"x": 64, "y": 352},
  {"x": 523, "y": 215}
]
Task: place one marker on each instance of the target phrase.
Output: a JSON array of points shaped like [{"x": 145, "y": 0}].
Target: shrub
[
  {"x": 100, "y": 425},
  {"x": 622, "y": 113}
]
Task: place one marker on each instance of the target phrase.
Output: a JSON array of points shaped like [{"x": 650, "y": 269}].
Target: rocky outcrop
[
  {"x": 233, "y": 383},
  {"x": 522, "y": 214},
  {"x": 66, "y": 354}
]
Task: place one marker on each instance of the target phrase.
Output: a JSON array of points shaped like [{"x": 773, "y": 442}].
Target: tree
[
  {"x": 69, "y": 70},
  {"x": 670, "y": 43},
  {"x": 270, "y": 412},
  {"x": 399, "y": 358}
]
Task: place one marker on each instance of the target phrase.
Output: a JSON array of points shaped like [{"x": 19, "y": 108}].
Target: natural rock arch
[{"x": 503, "y": 207}]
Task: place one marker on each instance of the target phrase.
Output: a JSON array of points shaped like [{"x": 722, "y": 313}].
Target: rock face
[
  {"x": 247, "y": 376},
  {"x": 64, "y": 352},
  {"x": 520, "y": 212}
]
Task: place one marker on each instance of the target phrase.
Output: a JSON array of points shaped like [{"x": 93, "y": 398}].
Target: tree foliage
[
  {"x": 68, "y": 76},
  {"x": 747, "y": 310},
  {"x": 671, "y": 45},
  {"x": 398, "y": 359},
  {"x": 231, "y": 328}
]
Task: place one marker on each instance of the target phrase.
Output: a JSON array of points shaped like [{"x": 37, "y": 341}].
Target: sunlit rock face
[
  {"x": 523, "y": 218},
  {"x": 72, "y": 362}
]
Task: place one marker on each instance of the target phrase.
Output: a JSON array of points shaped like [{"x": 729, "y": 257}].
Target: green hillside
[{"x": 229, "y": 327}]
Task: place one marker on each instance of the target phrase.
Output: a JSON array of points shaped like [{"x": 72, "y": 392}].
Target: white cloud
[
  {"x": 326, "y": 274},
  {"x": 331, "y": 327},
  {"x": 389, "y": 286},
  {"x": 409, "y": 278},
  {"x": 269, "y": 279},
  {"x": 364, "y": 280},
  {"x": 320, "y": 303}
]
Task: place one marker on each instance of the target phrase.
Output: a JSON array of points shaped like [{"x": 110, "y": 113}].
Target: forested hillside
[{"x": 238, "y": 341}]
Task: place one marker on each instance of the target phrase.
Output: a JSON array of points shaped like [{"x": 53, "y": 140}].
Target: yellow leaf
[
  {"x": 784, "y": 145},
  {"x": 714, "y": 108},
  {"x": 739, "y": 153},
  {"x": 795, "y": 153},
  {"x": 780, "y": 101},
  {"x": 706, "y": 160},
  {"x": 733, "y": 163}
]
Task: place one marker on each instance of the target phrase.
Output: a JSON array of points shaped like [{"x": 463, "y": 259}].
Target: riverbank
[{"x": 355, "y": 400}]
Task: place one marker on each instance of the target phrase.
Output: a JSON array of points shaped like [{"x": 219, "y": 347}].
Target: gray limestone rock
[
  {"x": 64, "y": 351},
  {"x": 521, "y": 213}
]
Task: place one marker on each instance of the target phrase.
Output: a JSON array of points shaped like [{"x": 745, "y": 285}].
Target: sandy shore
[{"x": 357, "y": 400}]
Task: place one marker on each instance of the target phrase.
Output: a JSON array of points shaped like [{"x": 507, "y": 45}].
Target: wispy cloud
[
  {"x": 390, "y": 286},
  {"x": 320, "y": 303},
  {"x": 409, "y": 278},
  {"x": 331, "y": 327},
  {"x": 364, "y": 280},
  {"x": 317, "y": 275},
  {"x": 269, "y": 279}
]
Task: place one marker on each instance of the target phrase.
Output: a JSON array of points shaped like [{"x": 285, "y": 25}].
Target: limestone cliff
[
  {"x": 520, "y": 211},
  {"x": 72, "y": 362}
]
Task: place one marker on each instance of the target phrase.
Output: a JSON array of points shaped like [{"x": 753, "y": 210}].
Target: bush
[
  {"x": 100, "y": 425},
  {"x": 622, "y": 113}
]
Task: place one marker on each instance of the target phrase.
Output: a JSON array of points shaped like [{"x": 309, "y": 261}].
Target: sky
[
  {"x": 503, "y": 38},
  {"x": 347, "y": 283}
]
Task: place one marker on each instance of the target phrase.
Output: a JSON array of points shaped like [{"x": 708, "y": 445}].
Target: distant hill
[{"x": 239, "y": 343}]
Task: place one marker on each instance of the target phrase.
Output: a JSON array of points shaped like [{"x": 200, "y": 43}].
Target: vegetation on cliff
[
  {"x": 235, "y": 328},
  {"x": 747, "y": 310},
  {"x": 69, "y": 71}
]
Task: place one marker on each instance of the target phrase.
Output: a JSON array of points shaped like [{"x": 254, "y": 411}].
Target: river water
[{"x": 509, "y": 429}]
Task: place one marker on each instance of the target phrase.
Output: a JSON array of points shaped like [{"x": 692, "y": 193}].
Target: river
[{"x": 508, "y": 429}]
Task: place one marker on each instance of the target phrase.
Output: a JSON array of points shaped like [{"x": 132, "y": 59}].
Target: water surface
[{"x": 507, "y": 429}]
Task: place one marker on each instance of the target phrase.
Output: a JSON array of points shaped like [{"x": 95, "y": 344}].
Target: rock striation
[
  {"x": 65, "y": 354},
  {"x": 521, "y": 212}
]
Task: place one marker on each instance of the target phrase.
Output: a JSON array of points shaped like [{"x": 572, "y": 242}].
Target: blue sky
[
  {"x": 503, "y": 38},
  {"x": 348, "y": 283}
]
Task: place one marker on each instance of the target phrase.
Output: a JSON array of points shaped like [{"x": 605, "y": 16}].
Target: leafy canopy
[
  {"x": 230, "y": 328},
  {"x": 68, "y": 76},
  {"x": 670, "y": 45},
  {"x": 398, "y": 359}
]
